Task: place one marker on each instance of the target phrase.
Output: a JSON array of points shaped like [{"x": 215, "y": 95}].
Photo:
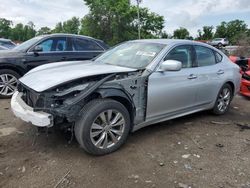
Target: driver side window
[
  {"x": 46, "y": 45},
  {"x": 57, "y": 44},
  {"x": 182, "y": 54}
]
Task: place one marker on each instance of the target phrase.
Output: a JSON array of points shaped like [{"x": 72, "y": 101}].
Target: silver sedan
[{"x": 131, "y": 86}]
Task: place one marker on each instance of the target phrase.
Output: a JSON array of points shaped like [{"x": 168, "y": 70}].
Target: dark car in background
[
  {"x": 6, "y": 44},
  {"x": 42, "y": 50}
]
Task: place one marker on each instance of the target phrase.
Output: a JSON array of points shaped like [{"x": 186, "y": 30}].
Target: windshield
[
  {"x": 24, "y": 46},
  {"x": 131, "y": 54}
]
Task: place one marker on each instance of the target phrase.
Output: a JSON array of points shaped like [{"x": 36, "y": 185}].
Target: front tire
[
  {"x": 8, "y": 82},
  {"x": 223, "y": 100},
  {"x": 103, "y": 126}
]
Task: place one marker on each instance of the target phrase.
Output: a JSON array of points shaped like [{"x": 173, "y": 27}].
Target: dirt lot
[{"x": 200, "y": 151}]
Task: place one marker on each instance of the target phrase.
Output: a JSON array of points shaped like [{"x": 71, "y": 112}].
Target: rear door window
[
  {"x": 85, "y": 45},
  {"x": 204, "y": 56}
]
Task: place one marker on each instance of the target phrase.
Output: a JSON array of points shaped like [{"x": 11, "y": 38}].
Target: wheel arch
[
  {"x": 20, "y": 71},
  {"x": 232, "y": 86},
  {"x": 120, "y": 96}
]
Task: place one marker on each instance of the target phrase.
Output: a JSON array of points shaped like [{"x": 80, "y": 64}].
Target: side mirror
[
  {"x": 171, "y": 65},
  {"x": 38, "y": 49}
]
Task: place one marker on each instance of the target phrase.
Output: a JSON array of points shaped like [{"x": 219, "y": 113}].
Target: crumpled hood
[{"x": 50, "y": 75}]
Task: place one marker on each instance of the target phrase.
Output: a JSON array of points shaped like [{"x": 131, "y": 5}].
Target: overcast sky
[{"x": 192, "y": 14}]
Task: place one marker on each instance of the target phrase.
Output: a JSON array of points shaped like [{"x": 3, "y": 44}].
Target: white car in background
[{"x": 219, "y": 42}]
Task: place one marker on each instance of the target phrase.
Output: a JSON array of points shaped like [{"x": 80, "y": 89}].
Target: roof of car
[
  {"x": 6, "y": 40},
  {"x": 71, "y": 35},
  {"x": 168, "y": 41}
]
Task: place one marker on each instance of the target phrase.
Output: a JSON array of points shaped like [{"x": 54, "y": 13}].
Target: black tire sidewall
[
  {"x": 220, "y": 45},
  {"x": 11, "y": 72},
  {"x": 83, "y": 125},
  {"x": 215, "y": 109}
]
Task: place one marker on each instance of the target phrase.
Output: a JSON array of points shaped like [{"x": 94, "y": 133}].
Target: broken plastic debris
[
  {"x": 182, "y": 185},
  {"x": 220, "y": 122},
  {"x": 186, "y": 156},
  {"x": 198, "y": 156},
  {"x": 188, "y": 167},
  {"x": 161, "y": 164}
]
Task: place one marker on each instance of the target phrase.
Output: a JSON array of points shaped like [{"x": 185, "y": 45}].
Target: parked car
[
  {"x": 7, "y": 43},
  {"x": 42, "y": 50},
  {"x": 3, "y": 48},
  {"x": 244, "y": 64},
  {"x": 131, "y": 86},
  {"x": 219, "y": 42}
]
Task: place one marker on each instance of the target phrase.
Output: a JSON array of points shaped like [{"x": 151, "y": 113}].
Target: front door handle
[
  {"x": 220, "y": 72},
  {"x": 192, "y": 76}
]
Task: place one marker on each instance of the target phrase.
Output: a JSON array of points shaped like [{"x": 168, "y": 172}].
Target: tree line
[{"x": 115, "y": 21}]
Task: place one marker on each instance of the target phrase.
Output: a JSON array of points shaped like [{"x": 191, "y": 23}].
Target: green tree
[
  {"x": 17, "y": 33},
  {"x": 29, "y": 31},
  {"x": 71, "y": 26},
  {"x": 206, "y": 33},
  {"x": 5, "y": 28},
  {"x": 231, "y": 30},
  {"x": 181, "y": 33},
  {"x": 44, "y": 31},
  {"x": 164, "y": 35},
  {"x": 58, "y": 28},
  {"x": 115, "y": 21}
]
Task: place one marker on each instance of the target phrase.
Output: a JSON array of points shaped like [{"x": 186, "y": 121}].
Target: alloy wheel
[
  {"x": 107, "y": 129},
  {"x": 8, "y": 84},
  {"x": 224, "y": 99}
]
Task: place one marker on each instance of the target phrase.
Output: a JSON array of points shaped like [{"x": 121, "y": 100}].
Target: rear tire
[
  {"x": 8, "y": 82},
  {"x": 223, "y": 100},
  {"x": 103, "y": 126},
  {"x": 220, "y": 45}
]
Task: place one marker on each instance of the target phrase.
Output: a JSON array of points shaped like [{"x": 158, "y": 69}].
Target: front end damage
[{"x": 66, "y": 101}]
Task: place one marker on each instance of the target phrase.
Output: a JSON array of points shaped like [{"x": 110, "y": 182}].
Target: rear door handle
[
  {"x": 192, "y": 76},
  {"x": 220, "y": 72}
]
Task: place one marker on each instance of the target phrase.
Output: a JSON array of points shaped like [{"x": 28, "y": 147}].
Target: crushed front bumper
[{"x": 27, "y": 114}]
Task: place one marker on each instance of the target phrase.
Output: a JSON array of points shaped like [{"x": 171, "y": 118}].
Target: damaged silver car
[{"x": 133, "y": 85}]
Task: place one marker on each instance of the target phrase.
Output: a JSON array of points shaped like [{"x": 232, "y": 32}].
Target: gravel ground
[{"x": 198, "y": 151}]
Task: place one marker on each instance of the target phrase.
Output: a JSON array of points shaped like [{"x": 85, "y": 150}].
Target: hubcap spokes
[
  {"x": 8, "y": 84},
  {"x": 107, "y": 129},
  {"x": 224, "y": 99}
]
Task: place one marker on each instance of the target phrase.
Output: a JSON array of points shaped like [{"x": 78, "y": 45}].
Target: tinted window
[
  {"x": 205, "y": 56},
  {"x": 86, "y": 45},
  {"x": 182, "y": 54},
  {"x": 54, "y": 44},
  {"x": 60, "y": 45},
  {"x": 47, "y": 45}
]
